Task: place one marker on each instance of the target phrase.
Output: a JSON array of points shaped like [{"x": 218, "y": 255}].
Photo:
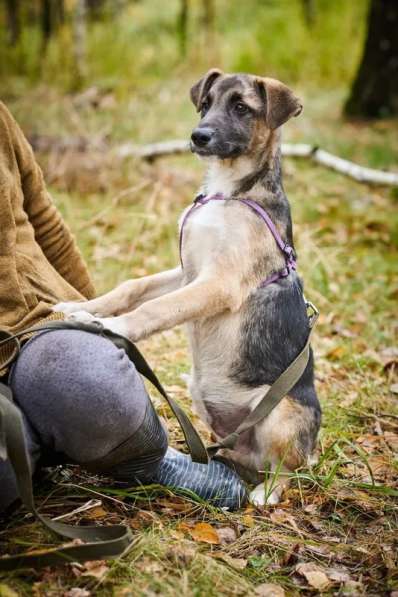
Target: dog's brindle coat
[{"x": 242, "y": 336}]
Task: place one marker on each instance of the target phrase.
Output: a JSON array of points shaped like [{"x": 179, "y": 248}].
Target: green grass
[{"x": 342, "y": 514}]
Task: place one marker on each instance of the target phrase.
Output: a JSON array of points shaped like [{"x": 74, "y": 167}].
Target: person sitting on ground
[{"x": 81, "y": 398}]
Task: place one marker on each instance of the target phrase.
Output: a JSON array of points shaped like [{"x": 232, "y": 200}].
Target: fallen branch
[
  {"x": 153, "y": 151},
  {"x": 298, "y": 150},
  {"x": 359, "y": 173}
]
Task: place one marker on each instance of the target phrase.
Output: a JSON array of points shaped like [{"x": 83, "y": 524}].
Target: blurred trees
[
  {"x": 374, "y": 93},
  {"x": 80, "y": 42},
  {"x": 13, "y": 20}
]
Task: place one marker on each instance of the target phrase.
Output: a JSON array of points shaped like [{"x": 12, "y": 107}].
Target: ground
[{"x": 334, "y": 532}]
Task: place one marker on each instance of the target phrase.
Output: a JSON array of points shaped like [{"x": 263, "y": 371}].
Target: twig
[
  {"x": 129, "y": 191},
  {"x": 88, "y": 506}
]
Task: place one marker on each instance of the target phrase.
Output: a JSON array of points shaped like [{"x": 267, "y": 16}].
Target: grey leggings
[{"x": 84, "y": 402}]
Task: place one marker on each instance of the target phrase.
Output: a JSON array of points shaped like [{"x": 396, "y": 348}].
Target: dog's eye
[
  {"x": 205, "y": 107},
  {"x": 241, "y": 108}
]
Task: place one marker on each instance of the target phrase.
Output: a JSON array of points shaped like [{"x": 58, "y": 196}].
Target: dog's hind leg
[
  {"x": 270, "y": 491},
  {"x": 287, "y": 439}
]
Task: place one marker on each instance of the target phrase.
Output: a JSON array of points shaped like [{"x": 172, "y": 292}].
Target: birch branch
[
  {"x": 355, "y": 171},
  {"x": 297, "y": 150},
  {"x": 153, "y": 151}
]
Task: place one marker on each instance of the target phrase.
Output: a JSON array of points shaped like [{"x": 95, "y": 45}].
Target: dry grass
[{"x": 340, "y": 516}]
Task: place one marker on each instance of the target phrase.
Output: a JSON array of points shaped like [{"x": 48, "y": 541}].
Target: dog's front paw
[
  {"x": 82, "y": 316},
  {"x": 68, "y": 308},
  {"x": 114, "y": 324}
]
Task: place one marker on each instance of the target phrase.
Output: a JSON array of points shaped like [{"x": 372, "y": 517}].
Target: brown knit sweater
[{"x": 40, "y": 264}]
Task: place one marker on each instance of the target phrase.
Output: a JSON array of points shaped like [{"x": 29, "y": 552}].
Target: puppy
[{"x": 243, "y": 332}]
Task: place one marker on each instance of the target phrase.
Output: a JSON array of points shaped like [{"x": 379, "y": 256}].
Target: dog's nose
[{"x": 201, "y": 136}]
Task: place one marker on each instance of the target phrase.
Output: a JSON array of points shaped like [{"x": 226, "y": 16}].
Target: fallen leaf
[
  {"x": 226, "y": 535},
  {"x": 123, "y": 592},
  {"x": 314, "y": 575},
  {"x": 280, "y": 516},
  {"x": 177, "y": 506},
  {"x": 96, "y": 513},
  {"x": 236, "y": 563},
  {"x": 248, "y": 521},
  {"x": 338, "y": 575},
  {"x": 149, "y": 566},
  {"x": 203, "y": 531},
  {"x": 143, "y": 519},
  {"x": 392, "y": 440},
  {"x": 181, "y": 554},
  {"x": 96, "y": 568},
  {"x": 335, "y": 353},
  {"x": 76, "y": 592},
  {"x": 360, "y": 498},
  {"x": 394, "y": 388},
  {"x": 269, "y": 589},
  {"x": 389, "y": 357},
  {"x": 291, "y": 555},
  {"x": 369, "y": 442}
]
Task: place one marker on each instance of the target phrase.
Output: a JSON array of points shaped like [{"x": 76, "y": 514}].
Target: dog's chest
[{"x": 214, "y": 234}]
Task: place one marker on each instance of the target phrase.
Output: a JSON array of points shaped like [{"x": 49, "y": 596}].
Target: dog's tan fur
[{"x": 221, "y": 247}]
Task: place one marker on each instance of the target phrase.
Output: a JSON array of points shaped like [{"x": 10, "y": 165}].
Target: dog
[{"x": 242, "y": 334}]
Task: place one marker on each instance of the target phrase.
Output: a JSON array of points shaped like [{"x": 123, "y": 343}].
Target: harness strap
[{"x": 286, "y": 249}]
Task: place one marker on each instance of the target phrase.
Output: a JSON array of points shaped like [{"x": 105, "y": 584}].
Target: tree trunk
[
  {"x": 182, "y": 26},
  {"x": 14, "y": 25},
  {"x": 80, "y": 42},
  {"x": 374, "y": 93},
  {"x": 46, "y": 22},
  {"x": 309, "y": 12},
  {"x": 209, "y": 17}
]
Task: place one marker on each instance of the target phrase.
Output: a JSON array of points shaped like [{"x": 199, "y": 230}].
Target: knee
[{"x": 81, "y": 393}]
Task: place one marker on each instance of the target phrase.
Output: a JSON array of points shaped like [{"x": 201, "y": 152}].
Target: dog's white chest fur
[{"x": 215, "y": 233}]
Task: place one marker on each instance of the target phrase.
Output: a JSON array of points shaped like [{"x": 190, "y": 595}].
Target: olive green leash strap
[
  {"x": 100, "y": 541},
  {"x": 275, "y": 392},
  {"x": 192, "y": 438},
  {"x": 194, "y": 442}
]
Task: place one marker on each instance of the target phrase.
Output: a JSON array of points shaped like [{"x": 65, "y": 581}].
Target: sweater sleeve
[{"x": 51, "y": 232}]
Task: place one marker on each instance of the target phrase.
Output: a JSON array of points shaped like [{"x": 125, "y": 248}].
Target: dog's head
[{"x": 238, "y": 112}]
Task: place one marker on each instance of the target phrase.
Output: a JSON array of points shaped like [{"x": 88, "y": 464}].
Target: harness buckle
[
  {"x": 289, "y": 251},
  {"x": 283, "y": 273},
  {"x": 312, "y": 312}
]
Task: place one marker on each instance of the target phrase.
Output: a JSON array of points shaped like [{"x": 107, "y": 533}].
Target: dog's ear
[
  {"x": 280, "y": 101},
  {"x": 202, "y": 87}
]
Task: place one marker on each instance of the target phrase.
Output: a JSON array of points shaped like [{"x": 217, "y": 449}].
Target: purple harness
[{"x": 286, "y": 249}]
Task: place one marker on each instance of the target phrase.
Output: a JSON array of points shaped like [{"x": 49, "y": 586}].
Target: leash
[{"x": 111, "y": 541}]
